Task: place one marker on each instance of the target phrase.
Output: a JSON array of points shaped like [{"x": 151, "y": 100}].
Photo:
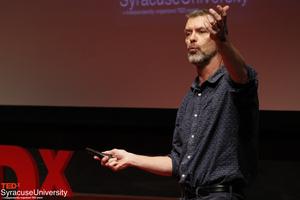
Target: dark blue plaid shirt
[{"x": 216, "y": 134}]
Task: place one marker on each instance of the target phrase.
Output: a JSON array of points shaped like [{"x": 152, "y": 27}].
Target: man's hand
[
  {"x": 161, "y": 165},
  {"x": 217, "y": 27},
  {"x": 120, "y": 160}
]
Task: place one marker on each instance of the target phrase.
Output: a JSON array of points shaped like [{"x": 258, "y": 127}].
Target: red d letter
[{"x": 23, "y": 164}]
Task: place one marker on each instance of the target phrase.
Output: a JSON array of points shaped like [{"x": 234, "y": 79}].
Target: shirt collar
[{"x": 212, "y": 79}]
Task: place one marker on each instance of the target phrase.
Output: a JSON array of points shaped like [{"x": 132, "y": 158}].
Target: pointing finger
[{"x": 215, "y": 14}]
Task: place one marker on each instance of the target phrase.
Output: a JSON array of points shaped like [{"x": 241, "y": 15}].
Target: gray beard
[{"x": 200, "y": 58}]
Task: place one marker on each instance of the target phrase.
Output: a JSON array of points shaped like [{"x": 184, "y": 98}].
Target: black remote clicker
[{"x": 97, "y": 153}]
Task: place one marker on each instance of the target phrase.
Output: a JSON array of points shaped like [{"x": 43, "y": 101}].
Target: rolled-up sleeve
[
  {"x": 252, "y": 82},
  {"x": 175, "y": 152}
]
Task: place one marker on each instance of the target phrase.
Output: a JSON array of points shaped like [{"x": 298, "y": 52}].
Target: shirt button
[
  {"x": 195, "y": 115},
  {"x": 199, "y": 94},
  {"x": 183, "y": 175},
  {"x": 193, "y": 136},
  {"x": 189, "y": 157}
]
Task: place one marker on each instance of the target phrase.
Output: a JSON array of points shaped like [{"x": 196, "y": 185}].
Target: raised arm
[
  {"x": 233, "y": 60},
  {"x": 122, "y": 159}
]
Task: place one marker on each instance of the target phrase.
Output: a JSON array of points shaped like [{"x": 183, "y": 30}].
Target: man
[{"x": 214, "y": 154}]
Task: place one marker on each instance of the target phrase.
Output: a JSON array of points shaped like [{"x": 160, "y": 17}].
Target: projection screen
[{"x": 131, "y": 53}]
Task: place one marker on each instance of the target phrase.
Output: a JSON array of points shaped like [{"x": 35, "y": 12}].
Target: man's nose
[{"x": 193, "y": 37}]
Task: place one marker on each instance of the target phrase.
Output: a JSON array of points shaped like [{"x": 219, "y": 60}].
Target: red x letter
[{"x": 56, "y": 166}]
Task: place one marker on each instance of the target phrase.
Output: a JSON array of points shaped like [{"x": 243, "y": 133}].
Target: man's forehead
[{"x": 195, "y": 22}]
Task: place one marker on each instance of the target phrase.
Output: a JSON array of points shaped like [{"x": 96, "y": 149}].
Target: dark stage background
[{"x": 143, "y": 131}]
